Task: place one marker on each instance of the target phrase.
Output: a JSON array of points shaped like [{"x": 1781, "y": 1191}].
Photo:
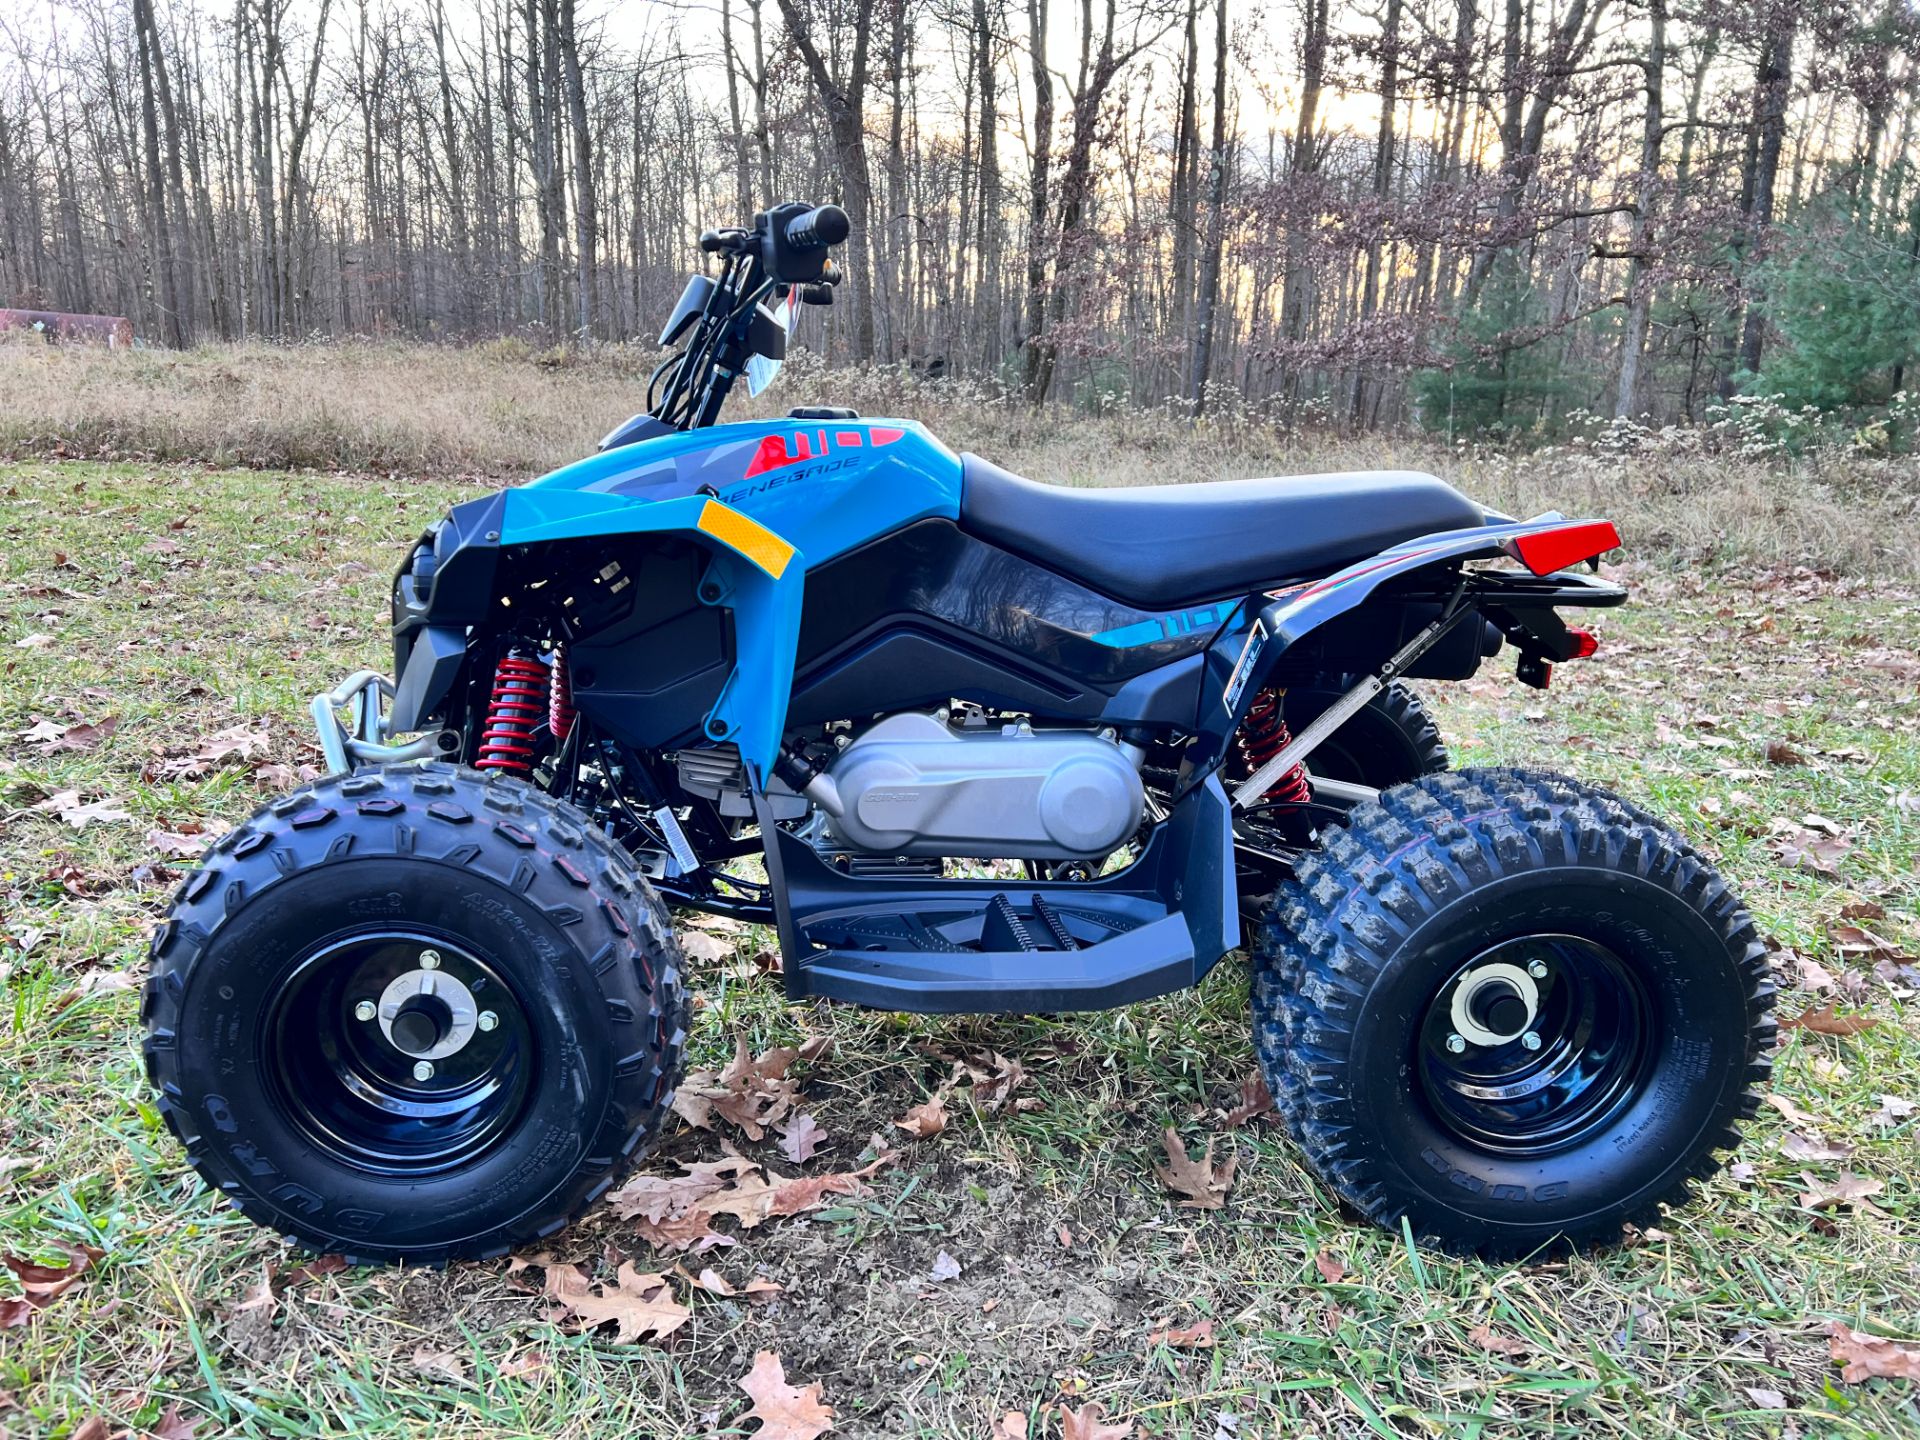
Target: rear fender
[{"x": 1242, "y": 662}]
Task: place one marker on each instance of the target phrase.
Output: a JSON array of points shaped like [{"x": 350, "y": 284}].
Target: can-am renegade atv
[{"x": 821, "y": 673}]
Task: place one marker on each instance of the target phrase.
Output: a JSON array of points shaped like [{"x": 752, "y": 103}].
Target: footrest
[{"x": 1013, "y": 951}]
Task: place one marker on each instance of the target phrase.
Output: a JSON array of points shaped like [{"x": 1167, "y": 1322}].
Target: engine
[{"x": 913, "y": 784}]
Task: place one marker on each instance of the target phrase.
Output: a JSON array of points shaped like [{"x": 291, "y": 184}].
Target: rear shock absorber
[
  {"x": 514, "y": 710},
  {"x": 1263, "y": 735},
  {"x": 560, "y": 699}
]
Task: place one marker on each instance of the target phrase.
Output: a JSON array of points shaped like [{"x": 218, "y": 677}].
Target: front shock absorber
[
  {"x": 1263, "y": 735},
  {"x": 514, "y": 711},
  {"x": 560, "y": 700}
]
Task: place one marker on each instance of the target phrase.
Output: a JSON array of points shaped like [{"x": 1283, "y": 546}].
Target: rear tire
[
  {"x": 1651, "y": 1011},
  {"x": 1388, "y": 741},
  {"x": 414, "y": 1014}
]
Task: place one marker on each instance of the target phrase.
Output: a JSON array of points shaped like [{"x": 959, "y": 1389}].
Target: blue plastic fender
[{"x": 767, "y": 499}]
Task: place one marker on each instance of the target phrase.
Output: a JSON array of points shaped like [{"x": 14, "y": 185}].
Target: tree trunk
[
  {"x": 1639, "y": 289},
  {"x": 1209, "y": 299}
]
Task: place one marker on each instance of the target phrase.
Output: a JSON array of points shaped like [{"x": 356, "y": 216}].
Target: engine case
[{"x": 914, "y": 785}]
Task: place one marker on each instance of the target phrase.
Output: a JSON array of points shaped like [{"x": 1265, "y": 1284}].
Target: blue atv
[{"x": 968, "y": 744}]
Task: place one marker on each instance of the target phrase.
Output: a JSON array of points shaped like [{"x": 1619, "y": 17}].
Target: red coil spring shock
[
  {"x": 1263, "y": 735},
  {"x": 516, "y": 708},
  {"x": 560, "y": 701}
]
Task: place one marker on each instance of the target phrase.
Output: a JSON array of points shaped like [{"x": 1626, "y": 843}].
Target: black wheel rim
[
  {"x": 1491, "y": 1086},
  {"x": 352, "y": 1082}
]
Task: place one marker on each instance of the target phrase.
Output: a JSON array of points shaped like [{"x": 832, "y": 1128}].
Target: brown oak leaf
[
  {"x": 927, "y": 1118},
  {"x": 1828, "y": 1021},
  {"x": 785, "y": 1412},
  {"x": 1203, "y": 1183},
  {"x": 1255, "y": 1101},
  {"x": 637, "y": 1306},
  {"x": 1089, "y": 1423},
  {"x": 1864, "y": 1357},
  {"x": 800, "y": 1136}
]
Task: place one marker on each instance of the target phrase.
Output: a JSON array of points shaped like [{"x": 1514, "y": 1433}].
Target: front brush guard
[{"x": 368, "y": 698}]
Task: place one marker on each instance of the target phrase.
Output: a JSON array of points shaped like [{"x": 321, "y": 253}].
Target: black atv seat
[{"x": 1164, "y": 545}]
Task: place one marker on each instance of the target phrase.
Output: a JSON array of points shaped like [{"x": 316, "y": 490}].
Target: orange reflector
[
  {"x": 1546, "y": 551},
  {"x": 747, "y": 536},
  {"x": 1585, "y": 643}
]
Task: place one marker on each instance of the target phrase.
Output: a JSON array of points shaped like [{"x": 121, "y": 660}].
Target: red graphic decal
[
  {"x": 776, "y": 451},
  {"x": 773, "y": 454}
]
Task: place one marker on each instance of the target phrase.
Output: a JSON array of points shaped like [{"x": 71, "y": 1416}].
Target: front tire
[
  {"x": 1510, "y": 1010},
  {"x": 414, "y": 1014}
]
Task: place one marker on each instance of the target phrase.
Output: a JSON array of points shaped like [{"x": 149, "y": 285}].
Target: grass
[{"x": 184, "y": 601}]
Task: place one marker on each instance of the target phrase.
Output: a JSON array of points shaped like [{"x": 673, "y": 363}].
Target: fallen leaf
[
  {"x": 714, "y": 1283},
  {"x": 945, "y": 1267},
  {"x": 1811, "y": 851},
  {"x": 1010, "y": 1426},
  {"x": 41, "y": 1285},
  {"x": 1493, "y": 1343},
  {"x": 1255, "y": 1101},
  {"x": 785, "y": 1412},
  {"x": 1828, "y": 1021},
  {"x": 699, "y": 945},
  {"x": 447, "y": 1364},
  {"x": 1330, "y": 1268},
  {"x": 1865, "y": 1357},
  {"x": 1852, "y": 940},
  {"x": 926, "y": 1118},
  {"x": 1893, "y": 1110},
  {"x": 800, "y": 1137},
  {"x": 1813, "y": 1147},
  {"x": 1779, "y": 752},
  {"x": 1089, "y": 1423},
  {"x": 183, "y": 847},
  {"x": 1795, "y": 1115},
  {"x": 54, "y": 739},
  {"x": 70, "y": 808},
  {"x": 637, "y": 1306},
  {"x": 751, "y": 1093},
  {"x": 1198, "y": 1336},
  {"x": 1848, "y": 1192},
  {"x": 1204, "y": 1184},
  {"x": 654, "y": 1197},
  {"x": 1766, "y": 1399}
]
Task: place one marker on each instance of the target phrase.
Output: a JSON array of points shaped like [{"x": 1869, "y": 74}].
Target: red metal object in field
[{"x": 112, "y": 330}]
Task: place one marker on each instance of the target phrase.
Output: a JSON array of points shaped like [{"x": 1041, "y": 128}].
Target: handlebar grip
[{"x": 818, "y": 228}]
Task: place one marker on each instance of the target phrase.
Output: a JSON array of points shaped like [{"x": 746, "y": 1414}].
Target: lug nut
[
  {"x": 1456, "y": 1043},
  {"x": 488, "y": 1020},
  {"x": 423, "y": 1070},
  {"x": 365, "y": 1010},
  {"x": 1531, "y": 1040},
  {"x": 1537, "y": 969},
  {"x": 429, "y": 959}
]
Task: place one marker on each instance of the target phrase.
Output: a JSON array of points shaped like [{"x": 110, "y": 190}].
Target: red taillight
[
  {"x": 1585, "y": 642},
  {"x": 1545, "y": 551}
]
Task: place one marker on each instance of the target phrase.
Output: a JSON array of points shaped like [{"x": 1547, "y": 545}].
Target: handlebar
[{"x": 818, "y": 228}]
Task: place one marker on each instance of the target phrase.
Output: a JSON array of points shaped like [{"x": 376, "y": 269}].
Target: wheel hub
[
  {"x": 1535, "y": 1044},
  {"x": 1494, "y": 1003},
  {"x": 400, "y": 1053},
  {"x": 428, "y": 1013}
]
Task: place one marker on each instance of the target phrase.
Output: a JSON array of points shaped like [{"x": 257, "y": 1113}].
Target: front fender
[{"x": 755, "y": 573}]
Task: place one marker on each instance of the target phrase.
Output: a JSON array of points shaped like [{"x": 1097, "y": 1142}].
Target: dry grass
[{"x": 501, "y": 411}]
